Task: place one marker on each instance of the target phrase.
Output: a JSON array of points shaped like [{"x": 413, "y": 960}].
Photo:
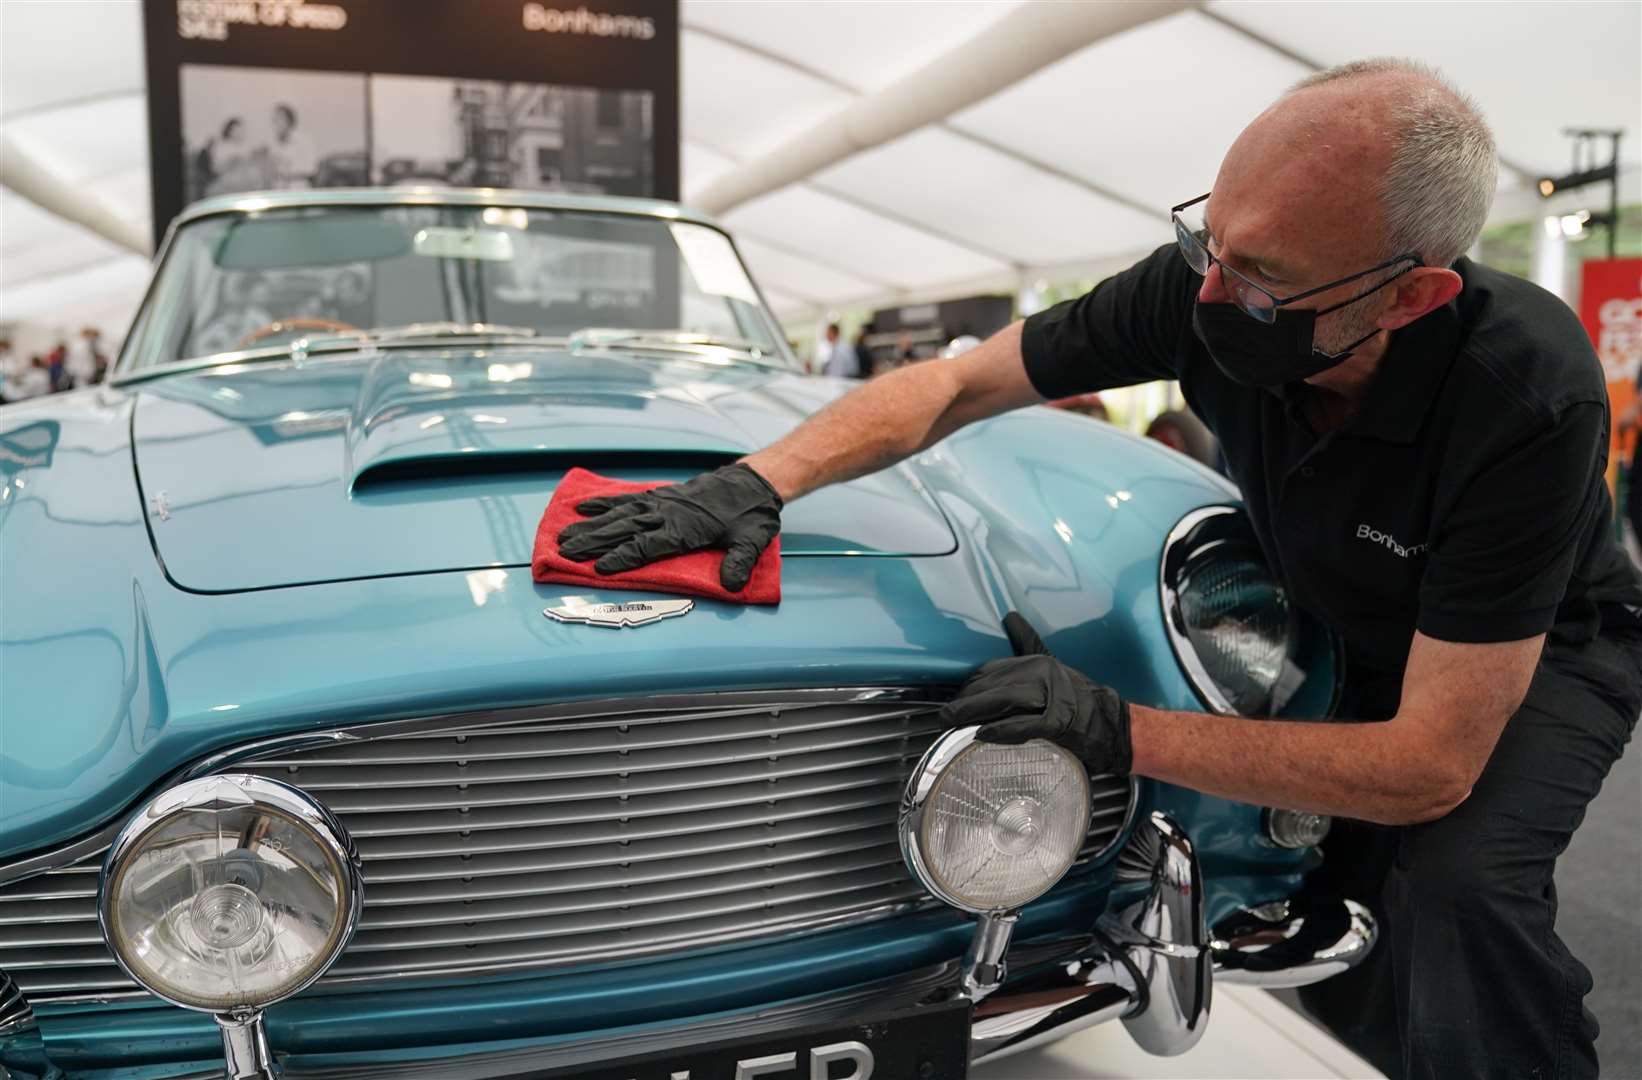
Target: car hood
[{"x": 416, "y": 461}]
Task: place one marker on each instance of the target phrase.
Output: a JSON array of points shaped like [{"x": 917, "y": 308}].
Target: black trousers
[{"x": 1469, "y": 978}]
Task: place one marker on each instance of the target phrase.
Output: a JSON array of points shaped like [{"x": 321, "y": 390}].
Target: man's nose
[{"x": 1214, "y": 287}]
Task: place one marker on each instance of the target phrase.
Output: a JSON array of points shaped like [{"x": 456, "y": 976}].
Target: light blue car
[{"x": 302, "y": 774}]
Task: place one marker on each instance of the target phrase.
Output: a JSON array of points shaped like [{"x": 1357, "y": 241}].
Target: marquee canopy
[{"x": 1066, "y": 170}]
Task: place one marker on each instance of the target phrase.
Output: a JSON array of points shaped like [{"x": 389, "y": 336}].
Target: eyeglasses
[{"x": 1256, "y": 300}]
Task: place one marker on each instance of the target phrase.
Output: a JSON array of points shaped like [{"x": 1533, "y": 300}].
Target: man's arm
[
  {"x": 896, "y": 415},
  {"x": 1415, "y": 767}
]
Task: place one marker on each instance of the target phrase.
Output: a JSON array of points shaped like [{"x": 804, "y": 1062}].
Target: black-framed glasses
[{"x": 1256, "y": 300}]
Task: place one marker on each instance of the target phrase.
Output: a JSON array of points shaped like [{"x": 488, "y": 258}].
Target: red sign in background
[{"x": 1610, "y": 306}]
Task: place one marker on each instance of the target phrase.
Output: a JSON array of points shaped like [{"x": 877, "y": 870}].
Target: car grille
[{"x": 551, "y": 837}]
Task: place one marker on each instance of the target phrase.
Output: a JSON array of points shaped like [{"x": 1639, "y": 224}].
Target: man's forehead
[{"x": 1303, "y": 186}]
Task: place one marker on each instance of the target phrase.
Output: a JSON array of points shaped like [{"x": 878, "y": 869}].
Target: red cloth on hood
[{"x": 692, "y": 574}]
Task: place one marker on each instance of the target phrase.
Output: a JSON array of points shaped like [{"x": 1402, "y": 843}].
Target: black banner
[{"x": 255, "y": 94}]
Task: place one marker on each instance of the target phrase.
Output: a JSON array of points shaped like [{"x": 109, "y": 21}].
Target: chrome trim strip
[
  {"x": 248, "y": 202},
  {"x": 1306, "y": 940}
]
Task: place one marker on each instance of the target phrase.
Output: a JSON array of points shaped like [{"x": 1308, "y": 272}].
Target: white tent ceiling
[{"x": 1068, "y": 171}]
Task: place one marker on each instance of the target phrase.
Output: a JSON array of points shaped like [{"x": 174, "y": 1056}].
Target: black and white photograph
[
  {"x": 252, "y": 129},
  {"x": 536, "y": 136}
]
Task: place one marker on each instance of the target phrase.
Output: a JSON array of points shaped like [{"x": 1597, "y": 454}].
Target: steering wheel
[{"x": 280, "y": 326}]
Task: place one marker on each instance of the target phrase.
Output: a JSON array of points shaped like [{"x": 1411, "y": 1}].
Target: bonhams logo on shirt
[{"x": 1389, "y": 542}]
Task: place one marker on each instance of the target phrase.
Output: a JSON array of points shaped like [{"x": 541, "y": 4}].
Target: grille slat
[
  {"x": 622, "y": 762},
  {"x": 501, "y": 956},
  {"x": 569, "y": 836},
  {"x": 382, "y": 796},
  {"x": 514, "y": 815},
  {"x": 625, "y": 896},
  {"x": 620, "y": 830},
  {"x": 593, "y": 739}
]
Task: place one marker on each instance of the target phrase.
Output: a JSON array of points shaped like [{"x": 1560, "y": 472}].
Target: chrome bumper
[{"x": 1153, "y": 964}]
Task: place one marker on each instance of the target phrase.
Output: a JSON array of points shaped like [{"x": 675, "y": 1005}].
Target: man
[
  {"x": 838, "y": 356},
  {"x": 1419, "y": 442},
  {"x": 864, "y": 363},
  {"x": 292, "y": 153},
  {"x": 85, "y": 358}
]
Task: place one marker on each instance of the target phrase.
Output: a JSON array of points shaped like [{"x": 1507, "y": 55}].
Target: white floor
[{"x": 1250, "y": 1034}]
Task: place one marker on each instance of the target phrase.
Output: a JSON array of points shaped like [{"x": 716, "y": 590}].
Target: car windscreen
[{"x": 239, "y": 281}]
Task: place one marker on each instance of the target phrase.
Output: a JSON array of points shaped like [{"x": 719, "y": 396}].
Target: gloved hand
[
  {"x": 731, "y": 507},
  {"x": 1034, "y": 696}
]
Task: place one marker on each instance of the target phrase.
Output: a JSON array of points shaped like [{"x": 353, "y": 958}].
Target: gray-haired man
[{"x": 1420, "y": 444}]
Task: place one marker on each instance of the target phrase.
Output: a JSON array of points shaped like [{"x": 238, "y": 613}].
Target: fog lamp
[
  {"x": 988, "y": 827},
  {"x": 229, "y": 893},
  {"x": 1297, "y": 828}
]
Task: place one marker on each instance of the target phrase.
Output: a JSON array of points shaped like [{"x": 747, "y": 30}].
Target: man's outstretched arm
[
  {"x": 896, "y": 415},
  {"x": 738, "y": 507}
]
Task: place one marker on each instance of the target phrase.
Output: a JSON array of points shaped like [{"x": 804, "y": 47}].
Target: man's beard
[{"x": 1336, "y": 331}]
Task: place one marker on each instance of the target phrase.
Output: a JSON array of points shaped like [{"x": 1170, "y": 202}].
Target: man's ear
[{"x": 1421, "y": 290}]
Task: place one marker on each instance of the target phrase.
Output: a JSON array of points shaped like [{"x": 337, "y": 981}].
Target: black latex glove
[
  {"x": 732, "y": 507},
  {"x": 1034, "y": 696}
]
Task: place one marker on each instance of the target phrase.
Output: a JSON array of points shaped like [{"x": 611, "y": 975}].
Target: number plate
[{"x": 926, "y": 1043}]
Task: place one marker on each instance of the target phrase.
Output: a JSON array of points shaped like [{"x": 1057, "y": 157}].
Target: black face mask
[{"x": 1269, "y": 354}]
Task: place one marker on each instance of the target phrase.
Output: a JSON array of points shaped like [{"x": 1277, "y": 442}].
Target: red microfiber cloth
[{"x": 691, "y": 574}]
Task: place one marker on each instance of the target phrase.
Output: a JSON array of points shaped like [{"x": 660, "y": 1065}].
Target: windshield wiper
[{"x": 685, "y": 341}]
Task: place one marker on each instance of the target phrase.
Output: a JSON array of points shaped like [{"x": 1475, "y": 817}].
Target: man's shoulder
[{"x": 1522, "y": 345}]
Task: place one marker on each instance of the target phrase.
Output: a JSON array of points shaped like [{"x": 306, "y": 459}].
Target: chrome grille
[{"x": 567, "y": 835}]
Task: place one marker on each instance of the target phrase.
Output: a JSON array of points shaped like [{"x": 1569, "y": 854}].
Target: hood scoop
[
  {"x": 404, "y": 473},
  {"x": 281, "y": 478}
]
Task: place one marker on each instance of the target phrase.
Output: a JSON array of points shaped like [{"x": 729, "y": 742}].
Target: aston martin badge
[{"x": 629, "y": 613}]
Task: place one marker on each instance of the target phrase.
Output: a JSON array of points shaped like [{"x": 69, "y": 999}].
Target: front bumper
[{"x": 1151, "y": 964}]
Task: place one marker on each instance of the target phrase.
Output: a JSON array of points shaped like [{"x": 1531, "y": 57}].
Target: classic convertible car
[{"x": 303, "y": 773}]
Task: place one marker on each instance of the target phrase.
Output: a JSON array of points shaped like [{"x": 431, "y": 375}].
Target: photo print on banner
[{"x": 286, "y": 94}]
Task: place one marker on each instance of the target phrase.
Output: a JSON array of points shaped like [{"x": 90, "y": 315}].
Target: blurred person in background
[
  {"x": 863, "y": 353},
  {"x": 11, "y": 365},
  {"x": 839, "y": 362},
  {"x": 57, "y": 365},
  {"x": 292, "y": 153},
  {"x": 85, "y": 358},
  {"x": 25, "y": 379}
]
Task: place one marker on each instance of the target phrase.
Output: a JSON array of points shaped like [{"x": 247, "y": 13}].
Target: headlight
[
  {"x": 988, "y": 827},
  {"x": 1229, "y": 620},
  {"x": 229, "y": 892}
]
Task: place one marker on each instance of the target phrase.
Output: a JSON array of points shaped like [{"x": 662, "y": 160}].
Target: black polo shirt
[{"x": 1464, "y": 498}]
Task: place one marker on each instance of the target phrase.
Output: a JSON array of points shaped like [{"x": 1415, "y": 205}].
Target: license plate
[{"x": 927, "y": 1043}]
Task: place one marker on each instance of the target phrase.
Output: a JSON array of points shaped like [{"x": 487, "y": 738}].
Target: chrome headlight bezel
[
  {"x": 1202, "y": 538},
  {"x": 916, "y": 807},
  {"x": 277, "y": 799}
]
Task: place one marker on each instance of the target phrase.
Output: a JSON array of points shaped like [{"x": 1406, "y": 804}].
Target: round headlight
[
  {"x": 229, "y": 892},
  {"x": 1228, "y": 618},
  {"x": 989, "y": 827}
]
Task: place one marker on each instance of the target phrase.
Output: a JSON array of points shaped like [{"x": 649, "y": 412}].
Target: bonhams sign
[
  {"x": 258, "y": 94},
  {"x": 583, "y": 21}
]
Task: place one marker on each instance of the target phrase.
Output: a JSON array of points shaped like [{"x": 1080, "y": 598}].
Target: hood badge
[{"x": 628, "y": 613}]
